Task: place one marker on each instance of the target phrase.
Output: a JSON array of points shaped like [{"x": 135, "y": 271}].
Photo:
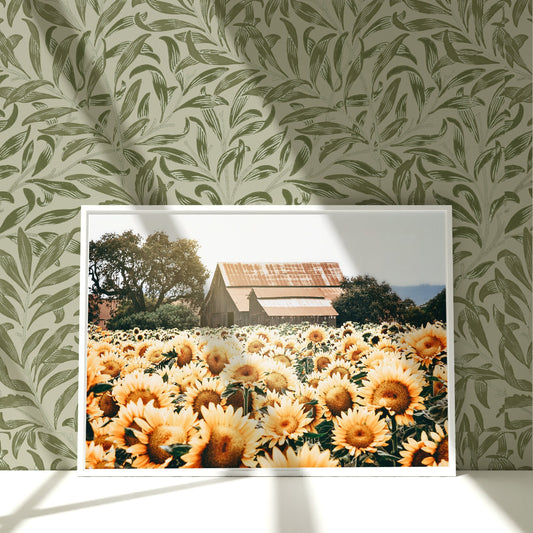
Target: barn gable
[{"x": 272, "y": 293}]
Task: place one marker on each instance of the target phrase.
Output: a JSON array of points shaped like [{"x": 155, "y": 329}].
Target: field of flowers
[{"x": 260, "y": 397}]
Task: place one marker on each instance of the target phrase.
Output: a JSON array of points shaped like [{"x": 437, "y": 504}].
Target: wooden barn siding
[{"x": 219, "y": 304}]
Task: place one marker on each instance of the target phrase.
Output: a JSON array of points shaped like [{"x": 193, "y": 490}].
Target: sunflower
[
  {"x": 247, "y": 369},
  {"x": 107, "y": 404},
  {"x": 255, "y": 343},
  {"x": 426, "y": 343},
  {"x": 97, "y": 457},
  {"x": 396, "y": 388},
  {"x": 185, "y": 350},
  {"x": 128, "y": 348},
  {"x": 306, "y": 395},
  {"x": 141, "y": 348},
  {"x": 203, "y": 393},
  {"x": 154, "y": 354},
  {"x": 386, "y": 345},
  {"x": 95, "y": 369},
  {"x": 413, "y": 453},
  {"x": 158, "y": 428},
  {"x": 375, "y": 358},
  {"x": 316, "y": 334},
  {"x": 441, "y": 373},
  {"x": 437, "y": 448},
  {"x": 287, "y": 420},
  {"x": 278, "y": 377},
  {"x": 264, "y": 333},
  {"x": 138, "y": 385},
  {"x": 123, "y": 429},
  {"x": 217, "y": 354},
  {"x": 226, "y": 439},
  {"x": 349, "y": 342},
  {"x": 134, "y": 363},
  {"x": 340, "y": 368},
  {"x": 113, "y": 364},
  {"x": 336, "y": 395},
  {"x": 103, "y": 348},
  {"x": 100, "y": 433},
  {"x": 314, "y": 379},
  {"x": 279, "y": 354},
  {"x": 260, "y": 401},
  {"x": 302, "y": 458},
  {"x": 188, "y": 375},
  {"x": 321, "y": 361},
  {"x": 360, "y": 430}
]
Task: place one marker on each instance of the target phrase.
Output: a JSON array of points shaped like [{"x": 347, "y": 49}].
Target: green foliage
[
  {"x": 148, "y": 274},
  {"x": 365, "y": 300},
  {"x": 281, "y": 102},
  {"x": 167, "y": 316}
]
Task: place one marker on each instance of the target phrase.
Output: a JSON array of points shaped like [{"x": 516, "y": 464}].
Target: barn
[{"x": 271, "y": 294}]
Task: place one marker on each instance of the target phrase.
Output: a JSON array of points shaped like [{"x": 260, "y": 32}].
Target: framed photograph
[{"x": 309, "y": 340}]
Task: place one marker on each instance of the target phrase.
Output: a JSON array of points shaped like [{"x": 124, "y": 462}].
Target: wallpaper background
[{"x": 265, "y": 101}]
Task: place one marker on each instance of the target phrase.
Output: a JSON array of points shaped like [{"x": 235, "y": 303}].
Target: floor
[{"x": 499, "y": 502}]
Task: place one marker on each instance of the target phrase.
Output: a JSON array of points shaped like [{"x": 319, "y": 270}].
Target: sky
[{"x": 400, "y": 247}]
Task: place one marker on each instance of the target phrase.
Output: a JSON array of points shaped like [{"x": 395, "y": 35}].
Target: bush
[{"x": 166, "y": 317}]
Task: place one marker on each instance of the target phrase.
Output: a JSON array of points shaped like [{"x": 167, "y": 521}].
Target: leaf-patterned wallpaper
[{"x": 265, "y": 101}]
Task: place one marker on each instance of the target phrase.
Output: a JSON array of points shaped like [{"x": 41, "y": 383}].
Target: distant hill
[{"x": 420, "y": 294}]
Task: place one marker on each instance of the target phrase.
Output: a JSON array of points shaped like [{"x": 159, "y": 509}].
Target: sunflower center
[
  {"x": 255, "y": 346},
  {"x": 283, "y": 359},
  {"x": 130, "y": 440},
  {"x": 428, "y": 346},
  {"x": 276, "y": 382},
  {"x": 287, "y": 426},
  {"x": 142, "y": 350},
  {"x": 359, "y": 436},
  {"x": 102, "y": 441},
  {"x": 204, "y": 398},
  {"x": 216, "y": 362},
  {"x": 418, "y": 457},
  {"x": 224, "y": 449},
  {"x": 393, "y": 395},
  {"x": 144, "y": 395},
  {"x": 184, "y": 356},
  {"x": 340, "y": 370},
  {"x": 313, "y": 382},
  {"x": 441, "y": 453},
  {"x": 112, "y": 368},
  {"x": 338, "y": 400},
  {"x": 246, "y": 374},
  {"x": 321, "y": 363},
  {"x": 355, "y": 354},
  {"x": 315, "y": 336},
  {"x": 348, "y": 345},
  {"x": 108, "y": 405},
  {"x": 161, "y": 436}
]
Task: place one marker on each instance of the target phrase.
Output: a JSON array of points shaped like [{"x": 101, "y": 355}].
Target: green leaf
[
  {"x": 60, "y": 57},
  {"x": 519, "y": 219},
  {"x": 55, "y": 216},
  {"x": 55, "y": 446},
  {"x": 49, "y": 13},
  {"x": 131, "y": 52},
  {"x": 268, "y": 147},
  {"x": 14, "y": 401},
  {"x": 22, "y": 91},
  {"x": 107, "y": 16},
  {"x": 57, "y": 301},
  {"x": 318, "y": 189},
  {"x": 363, "y": 186},
  {"x": 25, "y": 254},
  {"x": 255, "y": 198},
  {"x": 386, "y": 55},
  {"x": 13, "y": 144}
]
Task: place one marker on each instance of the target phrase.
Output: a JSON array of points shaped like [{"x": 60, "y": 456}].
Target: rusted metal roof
[
  {"x": 297, "y": 307},
  {"x": 329, "y": 293},
  {"x": 281, "y": 274},
  {"x": 239, "y": 295}
]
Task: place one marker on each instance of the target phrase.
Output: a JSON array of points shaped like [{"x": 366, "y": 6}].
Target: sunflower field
[{"x": 261, "y": 397}]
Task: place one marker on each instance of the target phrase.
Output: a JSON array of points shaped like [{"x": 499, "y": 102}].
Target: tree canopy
[
  {"x": 364, "y": 299},
  {"x": 148, "y": 273}
]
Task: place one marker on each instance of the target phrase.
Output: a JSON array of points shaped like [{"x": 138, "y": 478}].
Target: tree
[
  {"x": 364, "y": 299},
  {"x": 146, "y": 273}
]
